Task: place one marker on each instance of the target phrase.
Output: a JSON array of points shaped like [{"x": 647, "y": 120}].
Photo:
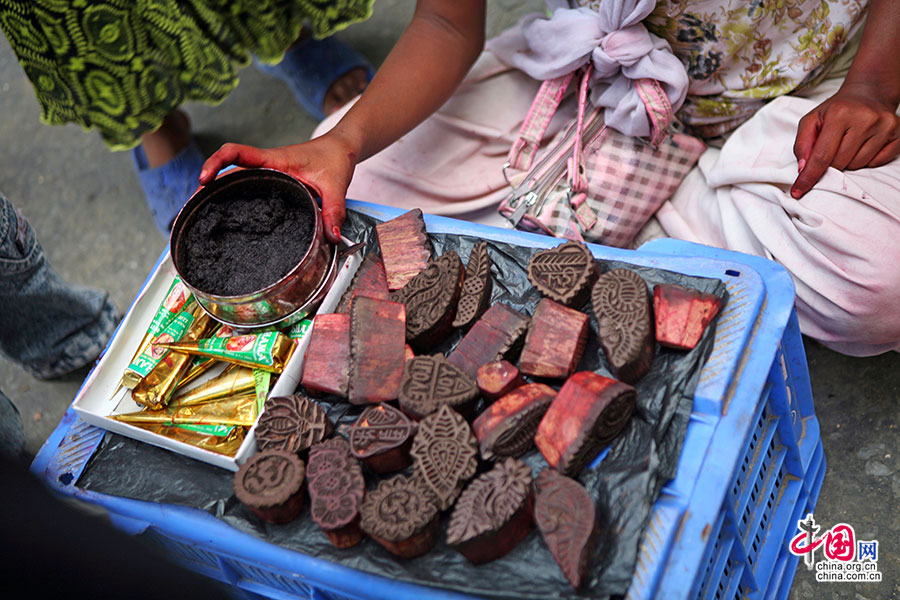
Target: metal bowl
[{"x": 286, "y": 300}]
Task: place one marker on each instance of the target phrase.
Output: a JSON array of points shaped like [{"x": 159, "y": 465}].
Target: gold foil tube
[
  {"x": 227, "y": 445},
  {"x": 223, "y": 386},
  {"x": 201, "y": 365},
  {"x": 238, "y": 410},
  {"x": 154, "y": 390},
  {"x": 278, "y": 348},
  {"x": 176, "y": 299}
]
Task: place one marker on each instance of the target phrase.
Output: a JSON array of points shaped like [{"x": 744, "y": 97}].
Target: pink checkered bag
[{"x": 593, "y": 183}]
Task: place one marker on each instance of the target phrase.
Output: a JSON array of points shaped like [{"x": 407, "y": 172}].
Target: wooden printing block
[
  {"x": 405, "y": 249},
  {"x": 589, "y": 411},
  {"x": 493, "y": 336},
  {"x": 326, "y": 367},
  {"x": 430, "y": 382},
  {"x": 567, "y": 519},
  {"x": 555, "y": 341},
  {"x": 625, "y": 327},
  {"x": 494, "y": 513},
  {"x": 444, "y": 455},
  {"x": 430, "y": 299},
  {"x": 336, "y": 491},
  {"x": 682, "y": 314},
  {"x": 507, "y": 427},
  {"x": 377, "y": 349},
  {"x": 477, "y": 287},
  {"x": 564, "y": 273},
  {"x": 497, "y": 378},
  {"x": 270, "y": 484},
  {"x": 401, "y": 516},
  {"x": 381, "y": 438},
  {"x": 369, "y": 281},
  {"x": 291, "y": 423}
]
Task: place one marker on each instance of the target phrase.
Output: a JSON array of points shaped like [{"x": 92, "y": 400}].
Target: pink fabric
[
  {"x": 452, "y": 164},
  {"x": 614, "y": 41}
]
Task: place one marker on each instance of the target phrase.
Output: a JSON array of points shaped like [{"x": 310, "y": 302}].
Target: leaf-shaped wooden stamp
[
  {"x": 494, "y": 513},
  {"x": 566, "y": 517},
  {"x": 477, "y": 287},
  {"x": 564, "y": 273},
  {"x": 291, "y": 423},
  {"x": 444, "y": 455},
  {"x": 507, "y": 427},
  {"x": 336, "y": 490},
  {"x": 405, "y": 248},
  {"x": 589, "y": 411},
  {"x": 401, "y": 516},
  {"x": 430, "y": 299},
  {"x": 430, "y": 382},
  {"x": 625, "y": 325},
  {"x": 381, "y": 438}
]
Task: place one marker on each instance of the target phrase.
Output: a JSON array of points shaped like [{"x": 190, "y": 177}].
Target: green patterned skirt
[{"x": 121, "y": 65}]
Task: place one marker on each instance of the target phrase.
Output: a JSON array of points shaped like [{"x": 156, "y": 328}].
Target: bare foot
[
  {"x": 347, "y": 87},
  {"x": 165, "y": 143}
]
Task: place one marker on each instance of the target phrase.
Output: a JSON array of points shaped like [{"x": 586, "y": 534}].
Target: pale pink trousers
[{"x": 840, "y": 242}]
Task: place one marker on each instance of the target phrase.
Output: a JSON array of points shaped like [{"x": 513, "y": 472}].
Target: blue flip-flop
[
  {"x": 310, "y": 68},
  {"x": 169, "y": 186}
]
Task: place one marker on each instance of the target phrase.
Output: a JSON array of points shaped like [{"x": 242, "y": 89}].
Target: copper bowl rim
[{"x": 204, "y": 193}]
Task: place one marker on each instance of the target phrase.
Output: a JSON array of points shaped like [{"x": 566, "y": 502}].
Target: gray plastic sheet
[{"x": 624, "y": 484}]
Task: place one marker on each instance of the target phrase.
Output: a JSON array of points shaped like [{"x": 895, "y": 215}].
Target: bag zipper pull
[{"x": 524, "y": 203}]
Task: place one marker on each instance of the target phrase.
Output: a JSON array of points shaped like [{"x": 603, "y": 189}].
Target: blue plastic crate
[{"x": 751, "y": 465}]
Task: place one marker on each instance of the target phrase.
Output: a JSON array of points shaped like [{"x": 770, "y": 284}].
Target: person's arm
[
  {"x": 858, "y": 126},
  {"x": 428, "y": 61}
]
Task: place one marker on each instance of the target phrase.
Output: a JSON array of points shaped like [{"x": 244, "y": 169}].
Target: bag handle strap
[
  {"x": 544, "y": 106},
  {"x": 658, "y": 107},
  {"x": 548, "y": 99}
]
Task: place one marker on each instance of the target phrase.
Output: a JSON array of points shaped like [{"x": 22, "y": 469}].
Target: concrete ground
[{"x": 89, "y": 212}]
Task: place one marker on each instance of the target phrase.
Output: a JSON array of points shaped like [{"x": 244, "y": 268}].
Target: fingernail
[
  {"x": 336, "y": 232},
  {"x": 795, "y": 194},
  {"x": 203, "y": 175},
  {"x": 801, "y": 165}
]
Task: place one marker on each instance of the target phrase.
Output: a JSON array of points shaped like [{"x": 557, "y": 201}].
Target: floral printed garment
[{"x": 740, "y": 53}]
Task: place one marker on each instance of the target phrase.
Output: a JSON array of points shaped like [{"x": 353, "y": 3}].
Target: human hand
[
  {"x": 325, "y": 164},
  {"x": 853, "y": 129}
]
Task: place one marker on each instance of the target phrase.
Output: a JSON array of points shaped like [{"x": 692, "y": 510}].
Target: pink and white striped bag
[{"x": 593, "y": 183}]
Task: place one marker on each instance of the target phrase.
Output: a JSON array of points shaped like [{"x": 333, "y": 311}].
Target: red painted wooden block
[
  {"x": 369, "y": 281},
  {"x": 589, "y": 411},
  {"x": 498, "y": 378},
  {"x": 377, "y": 349},
  {"x": 405, "y": 249},
  {"x": 555, "y": 341},
  {"x": 507, "y": 427},
  {"x": 491, "y": 338},
  {"x": 682, "y": 314},
  {"x": 326, "y": 368}
]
